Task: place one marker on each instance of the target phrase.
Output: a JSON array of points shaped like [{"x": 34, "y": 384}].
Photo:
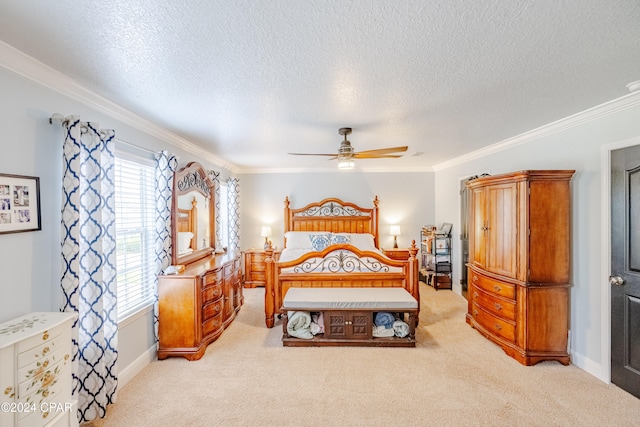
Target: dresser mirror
[{"x": 193, "y": 214}]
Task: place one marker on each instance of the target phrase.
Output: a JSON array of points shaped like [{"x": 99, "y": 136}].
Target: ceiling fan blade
[
  {"x": 384, "y": 150},
  {"x": 364, "y": 155},
  {"x": 312, "y": 154}
]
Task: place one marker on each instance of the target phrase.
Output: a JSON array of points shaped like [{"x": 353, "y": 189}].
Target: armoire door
[
  {"x": 501, "y": 230},
  {"x": 625, "y": 269},
  {"x": 478, "y": 224}
]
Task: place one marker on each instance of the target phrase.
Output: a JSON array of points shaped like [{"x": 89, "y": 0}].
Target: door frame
[
  {"x": 605, "y": 250},
  {"x": 457, "y": 288}
]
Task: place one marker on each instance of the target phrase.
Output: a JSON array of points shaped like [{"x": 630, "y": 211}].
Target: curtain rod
[{"x": 59, "y": 119}]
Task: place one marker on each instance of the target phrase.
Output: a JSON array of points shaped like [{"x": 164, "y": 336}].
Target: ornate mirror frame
[{"x": 190, "y": 183}]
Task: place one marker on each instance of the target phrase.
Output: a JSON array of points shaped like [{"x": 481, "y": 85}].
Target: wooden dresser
[
  {"x": 195, "y": 306},
  {"x": 254, "y": 267},
  {"x": 35, "y": 371},
  {"x": 519, "y": 262}
]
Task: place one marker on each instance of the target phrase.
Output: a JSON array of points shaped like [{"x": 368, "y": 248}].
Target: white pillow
[
  {"x": 298, "y": 239},
  {"x": 184, "y": 240},
  {"x": 363, "y": 241}
]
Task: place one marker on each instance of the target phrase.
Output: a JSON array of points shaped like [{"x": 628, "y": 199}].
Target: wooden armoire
[{"x": 519, "y": 262}]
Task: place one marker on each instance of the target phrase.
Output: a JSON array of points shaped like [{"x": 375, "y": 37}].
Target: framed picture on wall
[{"x": 19, "y": 203}]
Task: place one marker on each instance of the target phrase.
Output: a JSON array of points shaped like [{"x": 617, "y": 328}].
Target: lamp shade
[
  {"x": 266, "y": 231},
  {"x": 394, "y": 230}
]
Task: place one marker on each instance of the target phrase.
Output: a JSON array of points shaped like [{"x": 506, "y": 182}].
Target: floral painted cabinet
[{"x": 35, "y": 371}]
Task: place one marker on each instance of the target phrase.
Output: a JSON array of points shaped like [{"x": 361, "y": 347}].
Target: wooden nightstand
[
  {"x": 399, "y": 254},
  {"x": 254, "y": 267}
]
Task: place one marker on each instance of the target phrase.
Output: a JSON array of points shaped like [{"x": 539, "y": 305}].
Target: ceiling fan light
[{"x": 346, "y": 163}]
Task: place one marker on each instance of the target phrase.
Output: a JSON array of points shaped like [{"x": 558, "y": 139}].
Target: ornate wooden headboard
[
  {"x": 187, "y": 220},
  {"x": 332, "y": 215}
]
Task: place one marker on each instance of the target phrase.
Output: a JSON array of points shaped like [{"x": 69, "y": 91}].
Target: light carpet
[{"x": 453, "y": 377}]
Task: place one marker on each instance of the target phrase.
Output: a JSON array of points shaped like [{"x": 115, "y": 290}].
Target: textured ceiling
[{"x": 250, "y": 80}]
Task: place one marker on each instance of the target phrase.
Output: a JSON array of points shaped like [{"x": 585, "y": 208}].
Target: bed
[
  {"x": 187, "y": 226},
  {"x": 346, "y": 255}
]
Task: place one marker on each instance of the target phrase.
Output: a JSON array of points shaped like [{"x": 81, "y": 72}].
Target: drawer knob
[
  {"x": 498, "y": 306},
  {"x": 475, "y": 278},
  {"x": 498, "y": 326},
  {"x": 46, "y": 350},
  {"x": 45, "y": 336},
  {"x": 475, "y": 295},
  {"x": 475, "y": 312},
  {"x": 497, "y": 288}
]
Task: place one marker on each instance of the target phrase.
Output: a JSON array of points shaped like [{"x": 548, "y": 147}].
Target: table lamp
[{"x": 394, "y": 230}]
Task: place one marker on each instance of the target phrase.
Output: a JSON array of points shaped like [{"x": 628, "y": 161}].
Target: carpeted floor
[{"x": 453, "y": 377}]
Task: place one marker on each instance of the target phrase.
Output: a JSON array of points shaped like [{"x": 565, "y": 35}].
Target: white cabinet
[{"x": 35, "y": 371}]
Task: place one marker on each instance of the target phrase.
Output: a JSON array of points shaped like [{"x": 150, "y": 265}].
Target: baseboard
[
  {"x": 125, "y": 375},
  {"x": 588, "y": 365}
]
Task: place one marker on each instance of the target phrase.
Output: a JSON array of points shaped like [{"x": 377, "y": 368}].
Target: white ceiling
[{"x": 251, "y": 80}]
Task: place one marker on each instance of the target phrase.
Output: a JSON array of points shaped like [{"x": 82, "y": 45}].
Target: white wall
[
  {"x": 579, "y": 148},
  {"x": 406, "y": 199}
]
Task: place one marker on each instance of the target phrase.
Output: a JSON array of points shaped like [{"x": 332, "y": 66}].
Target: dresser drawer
[
  {"x": 258, "y": 267},
  {"x": 494, "y": 324},
  {"x": 211, "y": 325},
  {"x": 212, "y": 309},
  {"x": 213, "y": 277},
  {"x": 44, "y": 337},
  {"x": 498, "y": 306},
  {"x": 211, "y": 293},
  {"x": 56, "y": 339},
  {"x": 43, "y": 362},
  {"x": 52, "y": 383},
  {"x": 258, "y": 277},
  {"x": 506, "y": 290}
]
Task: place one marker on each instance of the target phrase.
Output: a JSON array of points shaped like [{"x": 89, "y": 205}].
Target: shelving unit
[{"x": 435, "y": 248}]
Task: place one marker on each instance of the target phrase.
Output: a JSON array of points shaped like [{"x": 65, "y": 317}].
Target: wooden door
[
  {"x": 625, "y": 269},
  {"x": 501, "y": 229},
  {"x": 477, "y": 233}
]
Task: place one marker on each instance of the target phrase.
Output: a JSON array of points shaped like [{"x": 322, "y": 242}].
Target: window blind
[{"x": 135, "y": 235}]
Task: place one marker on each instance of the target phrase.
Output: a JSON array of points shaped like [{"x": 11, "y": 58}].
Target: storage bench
[{"x": 348, "y": 315}]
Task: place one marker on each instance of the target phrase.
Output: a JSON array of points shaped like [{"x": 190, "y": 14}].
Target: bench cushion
[{"x": 348, "y": 299}]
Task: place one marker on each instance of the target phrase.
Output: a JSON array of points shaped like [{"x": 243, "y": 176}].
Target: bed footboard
[{"x": 384, "y": 273}]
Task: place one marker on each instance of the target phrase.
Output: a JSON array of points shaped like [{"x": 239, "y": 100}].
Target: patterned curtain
[
  {"x": 166, "y": 165},
  {"x": 215, "y": 177},
  {"x": 88, "y": 263},
  {"x": 233, "y": 187}
]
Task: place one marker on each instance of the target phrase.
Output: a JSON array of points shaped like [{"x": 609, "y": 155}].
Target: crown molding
[
  {"x": 24, "y": 65},
  {"x": 611, "y": 107},
  {"x": 331, "y": 170}
]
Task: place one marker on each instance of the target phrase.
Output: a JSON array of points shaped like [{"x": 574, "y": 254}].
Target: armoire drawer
[
  {"x": 494, "y": 324},
  {"x": 498, "y": 306},
  {"x": 497, "y": 287}
]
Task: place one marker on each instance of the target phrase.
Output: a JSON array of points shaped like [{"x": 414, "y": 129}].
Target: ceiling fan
[{"x": 346, "y": 154}]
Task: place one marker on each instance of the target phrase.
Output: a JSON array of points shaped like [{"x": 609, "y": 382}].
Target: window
[
  {"x": 135, "y": 233},
  {"x": 224, "y": 215}
]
